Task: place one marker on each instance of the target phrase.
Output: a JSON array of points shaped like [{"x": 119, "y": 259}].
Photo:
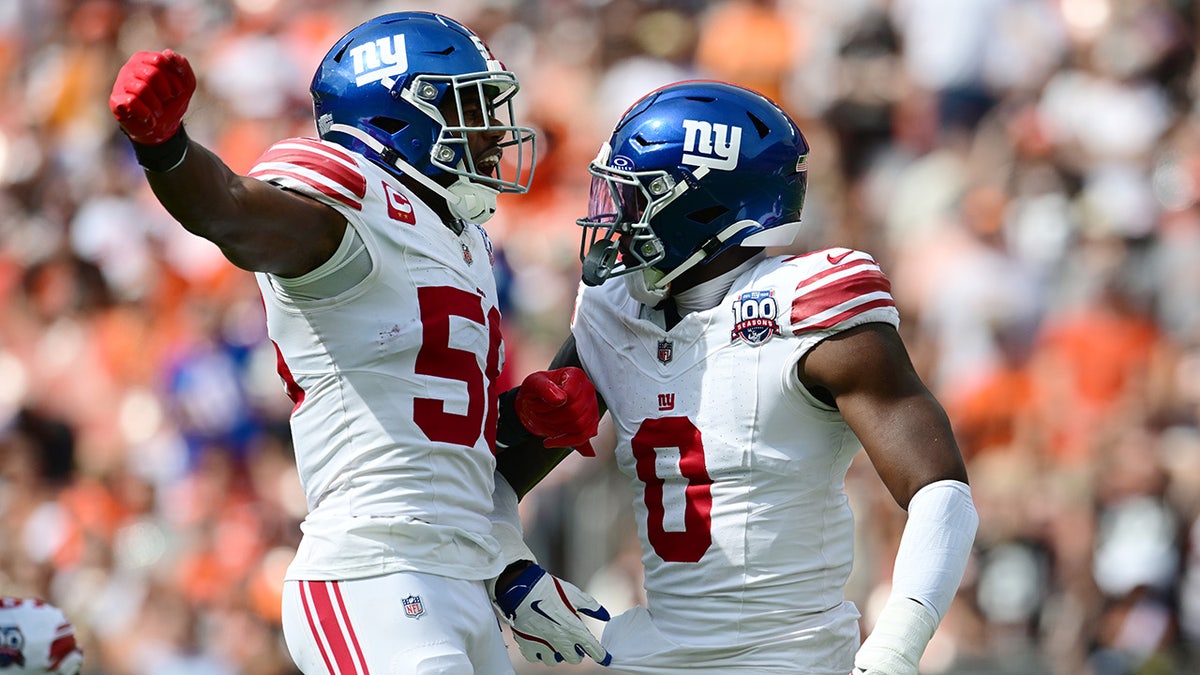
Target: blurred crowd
[{"x": 1026, "y": 171}]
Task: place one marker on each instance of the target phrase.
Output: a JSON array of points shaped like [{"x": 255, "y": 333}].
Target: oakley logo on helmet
[
  {"x": 379, "y": 61},
  {"x": 714, "y": 145}
]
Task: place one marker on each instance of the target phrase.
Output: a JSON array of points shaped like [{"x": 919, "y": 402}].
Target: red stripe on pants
[{"x": 327, "y": 624}]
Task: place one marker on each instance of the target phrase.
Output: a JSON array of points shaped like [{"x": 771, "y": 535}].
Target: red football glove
[
  {"x": 150, "y": 95},
  {"x": 560, "y": 406}
]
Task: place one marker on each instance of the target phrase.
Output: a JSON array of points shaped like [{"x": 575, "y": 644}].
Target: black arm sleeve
[{"x": 520, "y": 456}]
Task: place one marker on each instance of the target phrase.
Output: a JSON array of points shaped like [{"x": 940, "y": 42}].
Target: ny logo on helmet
[
  {"x": 379, "y": 61},
  {"x": 714, "y": 145}
]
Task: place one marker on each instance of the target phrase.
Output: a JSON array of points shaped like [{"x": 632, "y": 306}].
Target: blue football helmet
[
  {"x": 378, "y": 91},
  {"x": 691, "y": 170}
]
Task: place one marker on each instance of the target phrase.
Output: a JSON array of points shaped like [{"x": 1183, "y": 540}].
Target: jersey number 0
[{"x": 656, "y": 439}]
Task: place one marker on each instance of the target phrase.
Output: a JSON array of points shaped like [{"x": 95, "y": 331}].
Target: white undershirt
[
  {"x": 350, "y": 264},
  {"x": 708, "y": 294}
]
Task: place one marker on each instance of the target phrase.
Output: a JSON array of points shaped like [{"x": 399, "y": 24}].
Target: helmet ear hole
[
  {"x": 391, "y": 125},
  {"x": 707, "y": 214}
]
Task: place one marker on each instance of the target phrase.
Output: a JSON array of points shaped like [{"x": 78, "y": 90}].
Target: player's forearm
[
  {"x": 521, "y": 456},
  {"x": 506, "y": 527},
  {"x": 258, "y": 226},
  {"x": 203, "y": 194},
  {"x": 929, "y": 566}
]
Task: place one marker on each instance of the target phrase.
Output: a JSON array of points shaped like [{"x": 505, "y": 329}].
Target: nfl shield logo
[
  {"x": 413, "y": 607},
  {"x": 666, "y": 349}
]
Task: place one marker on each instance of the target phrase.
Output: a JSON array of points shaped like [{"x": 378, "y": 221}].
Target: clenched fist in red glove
[
  {"x": 560, "y": 406},
  {"x": 151, "y": 94}
]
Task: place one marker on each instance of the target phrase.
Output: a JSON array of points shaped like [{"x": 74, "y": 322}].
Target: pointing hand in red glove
[
  {"x": 151, "y": 94},
  {"x": 560, "y": 406}
]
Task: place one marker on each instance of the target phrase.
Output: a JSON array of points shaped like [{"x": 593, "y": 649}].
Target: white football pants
[{"x": 397, "y": 624}]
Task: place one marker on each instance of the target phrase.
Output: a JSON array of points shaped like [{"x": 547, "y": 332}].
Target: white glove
[
  {"x": 898, "y": 640},
  {"x": 543, "y": 612}
]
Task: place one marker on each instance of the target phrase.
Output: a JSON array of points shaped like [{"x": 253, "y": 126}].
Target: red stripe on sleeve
[
  {"x": 61, "y": 648},
  {"x": 323, "y": 189},
  {"x": 852, "y": 312},
  {"x": 824, "y": 297},
  {"x": 321, "y": 159}
]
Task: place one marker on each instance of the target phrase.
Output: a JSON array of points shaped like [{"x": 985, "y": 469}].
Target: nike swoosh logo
[
  {"x": 835, "y": 259},
  {"x": 535, "y": 606}
]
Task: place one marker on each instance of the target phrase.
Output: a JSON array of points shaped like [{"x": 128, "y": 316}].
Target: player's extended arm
[
  {"x": 544, "y": 612},
  {"x": 523, "y": 457},
  {"x": 908, "y": 438},
  {"x": 257, "y": 226}
]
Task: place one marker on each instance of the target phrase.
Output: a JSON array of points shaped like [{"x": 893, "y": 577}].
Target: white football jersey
[
  {"x": 738, "y": 473},
  {"x": 36, "y": 637},
  {"x": 393, "y": 381}
]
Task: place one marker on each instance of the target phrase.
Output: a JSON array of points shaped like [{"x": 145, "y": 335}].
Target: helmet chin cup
[
  {"x": 643, "y": 286},
  {"x": 599, "y": 262},
  {"x": 472, "y": 202}
]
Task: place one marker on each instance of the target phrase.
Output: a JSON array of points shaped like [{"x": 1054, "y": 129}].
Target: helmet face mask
[
  {"x": 409, "y": 90},
  {"x": 481, "y": 103},
  {"x": 620, "y": 206},
  {"x": 690, "y": 171}
]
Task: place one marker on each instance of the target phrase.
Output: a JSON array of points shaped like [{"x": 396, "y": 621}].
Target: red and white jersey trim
[
  {"x": 852, "y": 285},
  {"x": 321, "y": 170}
]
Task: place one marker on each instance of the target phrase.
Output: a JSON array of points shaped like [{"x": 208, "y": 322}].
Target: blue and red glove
[
  {"x": 561, "y": 407},
  {"x": 148, "y": 100},
  {"x": 543, "y": 613}
]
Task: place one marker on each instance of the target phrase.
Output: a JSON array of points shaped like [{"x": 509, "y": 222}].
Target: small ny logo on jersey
[
  {"x": 754, "y": 317},
  {"x": 711, "y": 144},
  {"x": 379, "y": 61},
  {"x": 666, "y": 401},
  {"x": 413, "y": 607}
]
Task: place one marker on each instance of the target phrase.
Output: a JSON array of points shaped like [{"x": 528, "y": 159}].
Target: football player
[
  {"x": 37, "y": 638},
  {"x": 740, "y": 387},
  {"x": 376, "y": 274}
]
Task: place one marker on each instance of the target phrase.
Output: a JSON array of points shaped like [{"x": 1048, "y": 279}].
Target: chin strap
[
  {"x": 706, "y": 250},
  {"x": 467, "y": 200}
]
